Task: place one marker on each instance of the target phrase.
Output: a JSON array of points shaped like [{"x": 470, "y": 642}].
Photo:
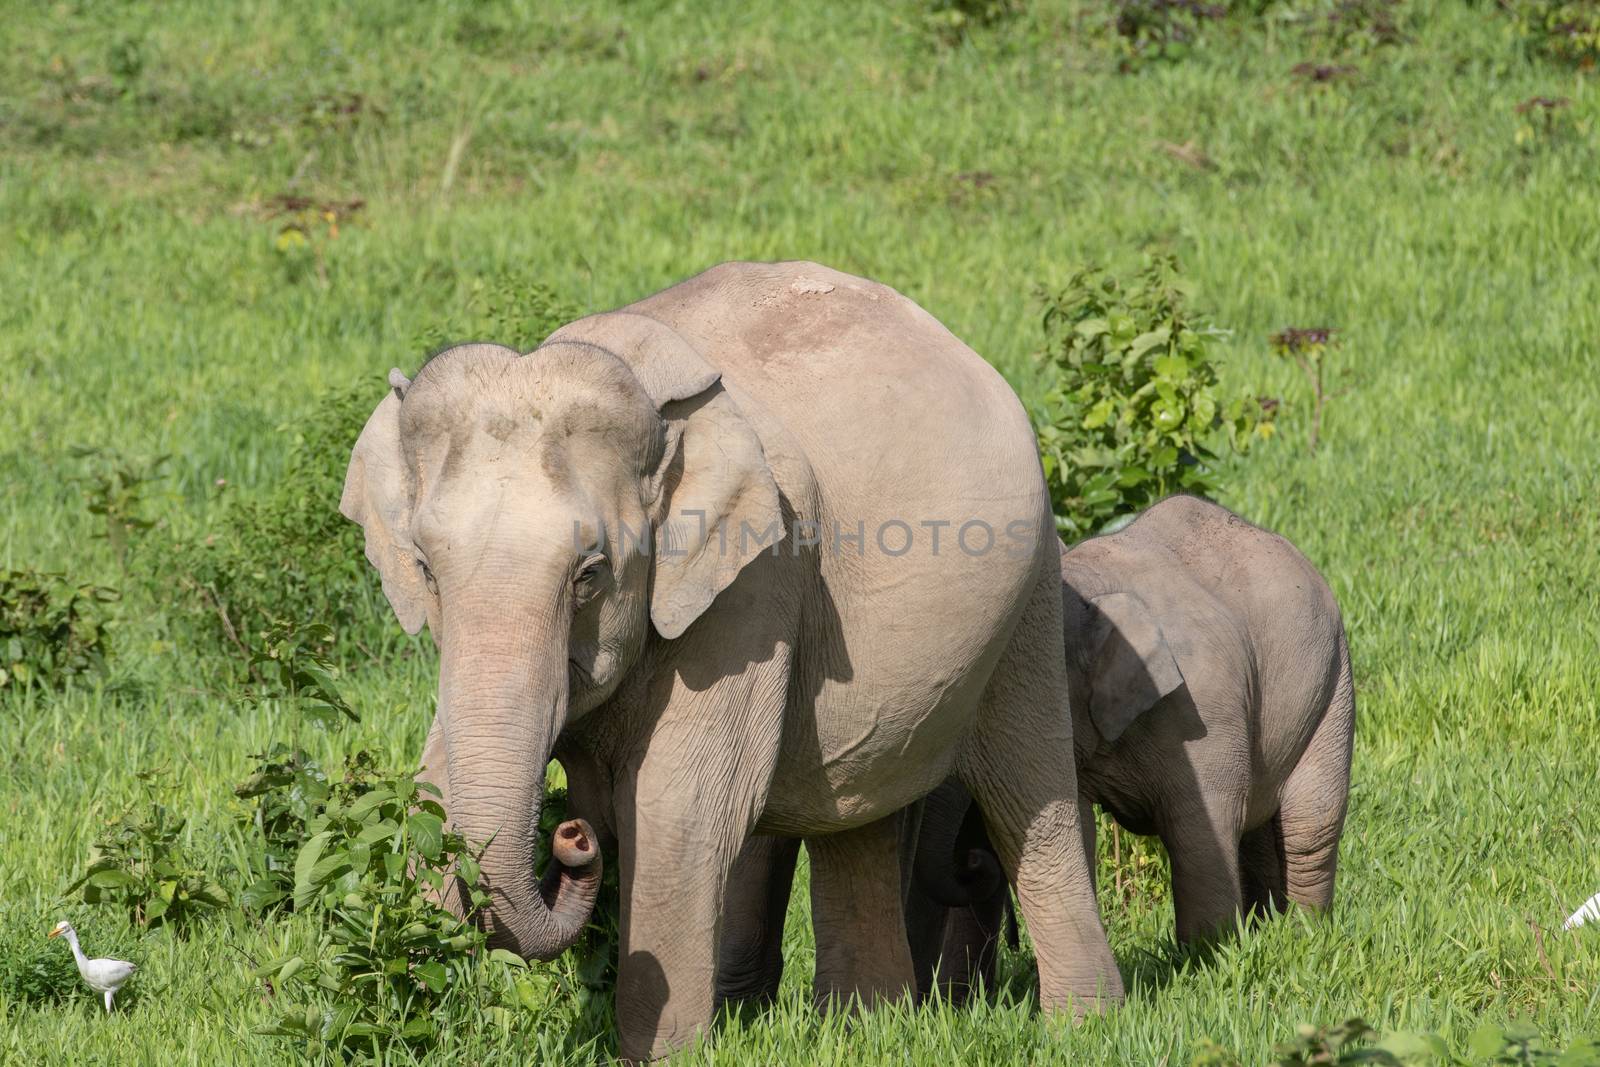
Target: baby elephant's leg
[
  {"x": 750, "y": 958},
  {"x": 856, "y": 910},
  {"x": 1203, "y": 843},
  {"x": 1314, "y": 801}
]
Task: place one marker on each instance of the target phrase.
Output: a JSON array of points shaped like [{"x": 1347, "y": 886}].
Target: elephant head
[{"x": 542, "y": 513}]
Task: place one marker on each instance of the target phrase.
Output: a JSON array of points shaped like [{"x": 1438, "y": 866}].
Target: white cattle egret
[
  {"x": 102, "y": 975},
  {"x": 1589, "y": 913}
]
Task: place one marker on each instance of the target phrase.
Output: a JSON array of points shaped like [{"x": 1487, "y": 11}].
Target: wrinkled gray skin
[
  {"x": 728, "y": 671},
  {"x": 1213, "y": 707}
]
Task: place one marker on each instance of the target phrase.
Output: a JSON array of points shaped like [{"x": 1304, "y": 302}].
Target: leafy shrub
[
  {"x": 511, "y": 309},
  {"x": 116, "y": 488},
  {"x": 390, "y": 958},
  {"x": 1354, "y": 1042},
  {"x": 34, "y": 970},
  {"x": 1564, "y": 30},
  {"x": 951, "y": 21},
  {"x": 140, "y": 866},
  {"x": 1160, "y": 29},
  {"x": 1355, "y": 25},
  {"x": 291, "y": 664},
  {"x": 290, "y": 791},
  {"x": 51, "y": 629},
  {"x": 285, "y": 556},
  {"x": 1133, "y": 412}
]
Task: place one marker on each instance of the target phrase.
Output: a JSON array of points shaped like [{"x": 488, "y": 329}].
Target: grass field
[{"x": 608, "y": 151}]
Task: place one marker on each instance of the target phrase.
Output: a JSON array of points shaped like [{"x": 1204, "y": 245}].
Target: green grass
[{"x": 611, "y": 151}]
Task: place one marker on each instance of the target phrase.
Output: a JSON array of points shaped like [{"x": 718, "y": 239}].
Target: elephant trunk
[
  {"x": 503, "y": 703},
  {"x": 953, "y": 866}
]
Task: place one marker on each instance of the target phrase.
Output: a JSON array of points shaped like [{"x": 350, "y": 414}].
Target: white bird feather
[
  {"x": 104, "y": 976},
  {"x": 1589, "y": 913}
]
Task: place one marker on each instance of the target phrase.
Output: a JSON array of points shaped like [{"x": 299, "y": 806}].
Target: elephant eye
[
  {"x": 591, "y": 579},
  {"x": 428, "y": 579}
]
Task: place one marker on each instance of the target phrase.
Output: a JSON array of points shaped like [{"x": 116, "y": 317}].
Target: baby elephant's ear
[{"x": 1130, "y": 666}]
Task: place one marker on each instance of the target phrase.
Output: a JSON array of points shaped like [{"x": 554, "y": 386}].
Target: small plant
[
  {"x": 285, "y": 557},
  {"x": 1356, "y": 25},
  {"x": 1160, "y": 29},
  {"x": 51, "y": 629},
  {"x": 140, "y": 866},
  {"x": 1564, "y": 30},
  {"x": 292, "y": 664},
  {"x": 1134, "y": 412},
  {"x": 305, "y": 228},
  {"x": 952, "y": 21},
  {"x": 290, "y": 792},
  {"x": 1354, "y": 1042},
  {"x": 1308, "y": 347},
  {"x": 116, "y": 488},
  {"x": 390, "y": 959},
  {"x": 508, "y": 309},
  {"x": 32, "y": 969},
  {"x": 1547, "y": 120}
]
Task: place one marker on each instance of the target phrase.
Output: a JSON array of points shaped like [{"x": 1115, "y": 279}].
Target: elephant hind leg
[
  {"x": 1018, "y": 764},
  {"x": 1315, "y": 798},
  {"x": 1261, "y": 869}
]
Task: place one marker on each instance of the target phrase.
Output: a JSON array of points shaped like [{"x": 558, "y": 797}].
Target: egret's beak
[{"x": 54, "y": 933}]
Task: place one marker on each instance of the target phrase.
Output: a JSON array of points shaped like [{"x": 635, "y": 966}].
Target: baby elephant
[{"x": 1212, "y": 706}]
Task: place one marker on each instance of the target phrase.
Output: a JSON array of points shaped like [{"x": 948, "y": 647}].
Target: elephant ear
[
  {"x": 1130, "y": 667},
  {"x": 377, "y": 495},
  {"x": 717, "y": 505}
]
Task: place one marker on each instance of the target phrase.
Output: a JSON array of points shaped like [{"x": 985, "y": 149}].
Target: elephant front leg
[
  {"x": 680, "y": 830},
  {"x": 857, "y": 915}
]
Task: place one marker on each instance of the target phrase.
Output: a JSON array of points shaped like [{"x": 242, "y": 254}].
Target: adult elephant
[{"x": 768, "y": 551}]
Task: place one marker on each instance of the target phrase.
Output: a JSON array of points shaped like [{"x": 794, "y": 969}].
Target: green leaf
[
  {"x": 112, "y": 879},
  {"x": 1486, "y": 1042},
  {"x": 305, "y": 890},
  {"x": 1100, "y": 414},
  {"x": 1155, "y": 339},
  {"x": 427, "y": 833},
  {"x": 507, "y": 957},
  {"x": 432, "y": 974}
]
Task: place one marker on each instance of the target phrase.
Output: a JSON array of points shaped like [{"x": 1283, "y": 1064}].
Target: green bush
[
  {"x": 1354, "y": 1042},
  {"x": 1160, "y": 29},
  {"x": 951, "y": 21},
  {"x": 51, "y": 628},
  {"x": 510, "y": 309},
  {"x": 116, "y": 488},
  {"x": 1564, "y": 30},
  {"x": 284, "y": 555},
  {"x": 1133, "y": 411},
  {"x": 289, "y": 791},
  {"x": 141, "y": 866},
  {"x": 34, "y": 970},
  {"x": 389, "y": 960}
]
